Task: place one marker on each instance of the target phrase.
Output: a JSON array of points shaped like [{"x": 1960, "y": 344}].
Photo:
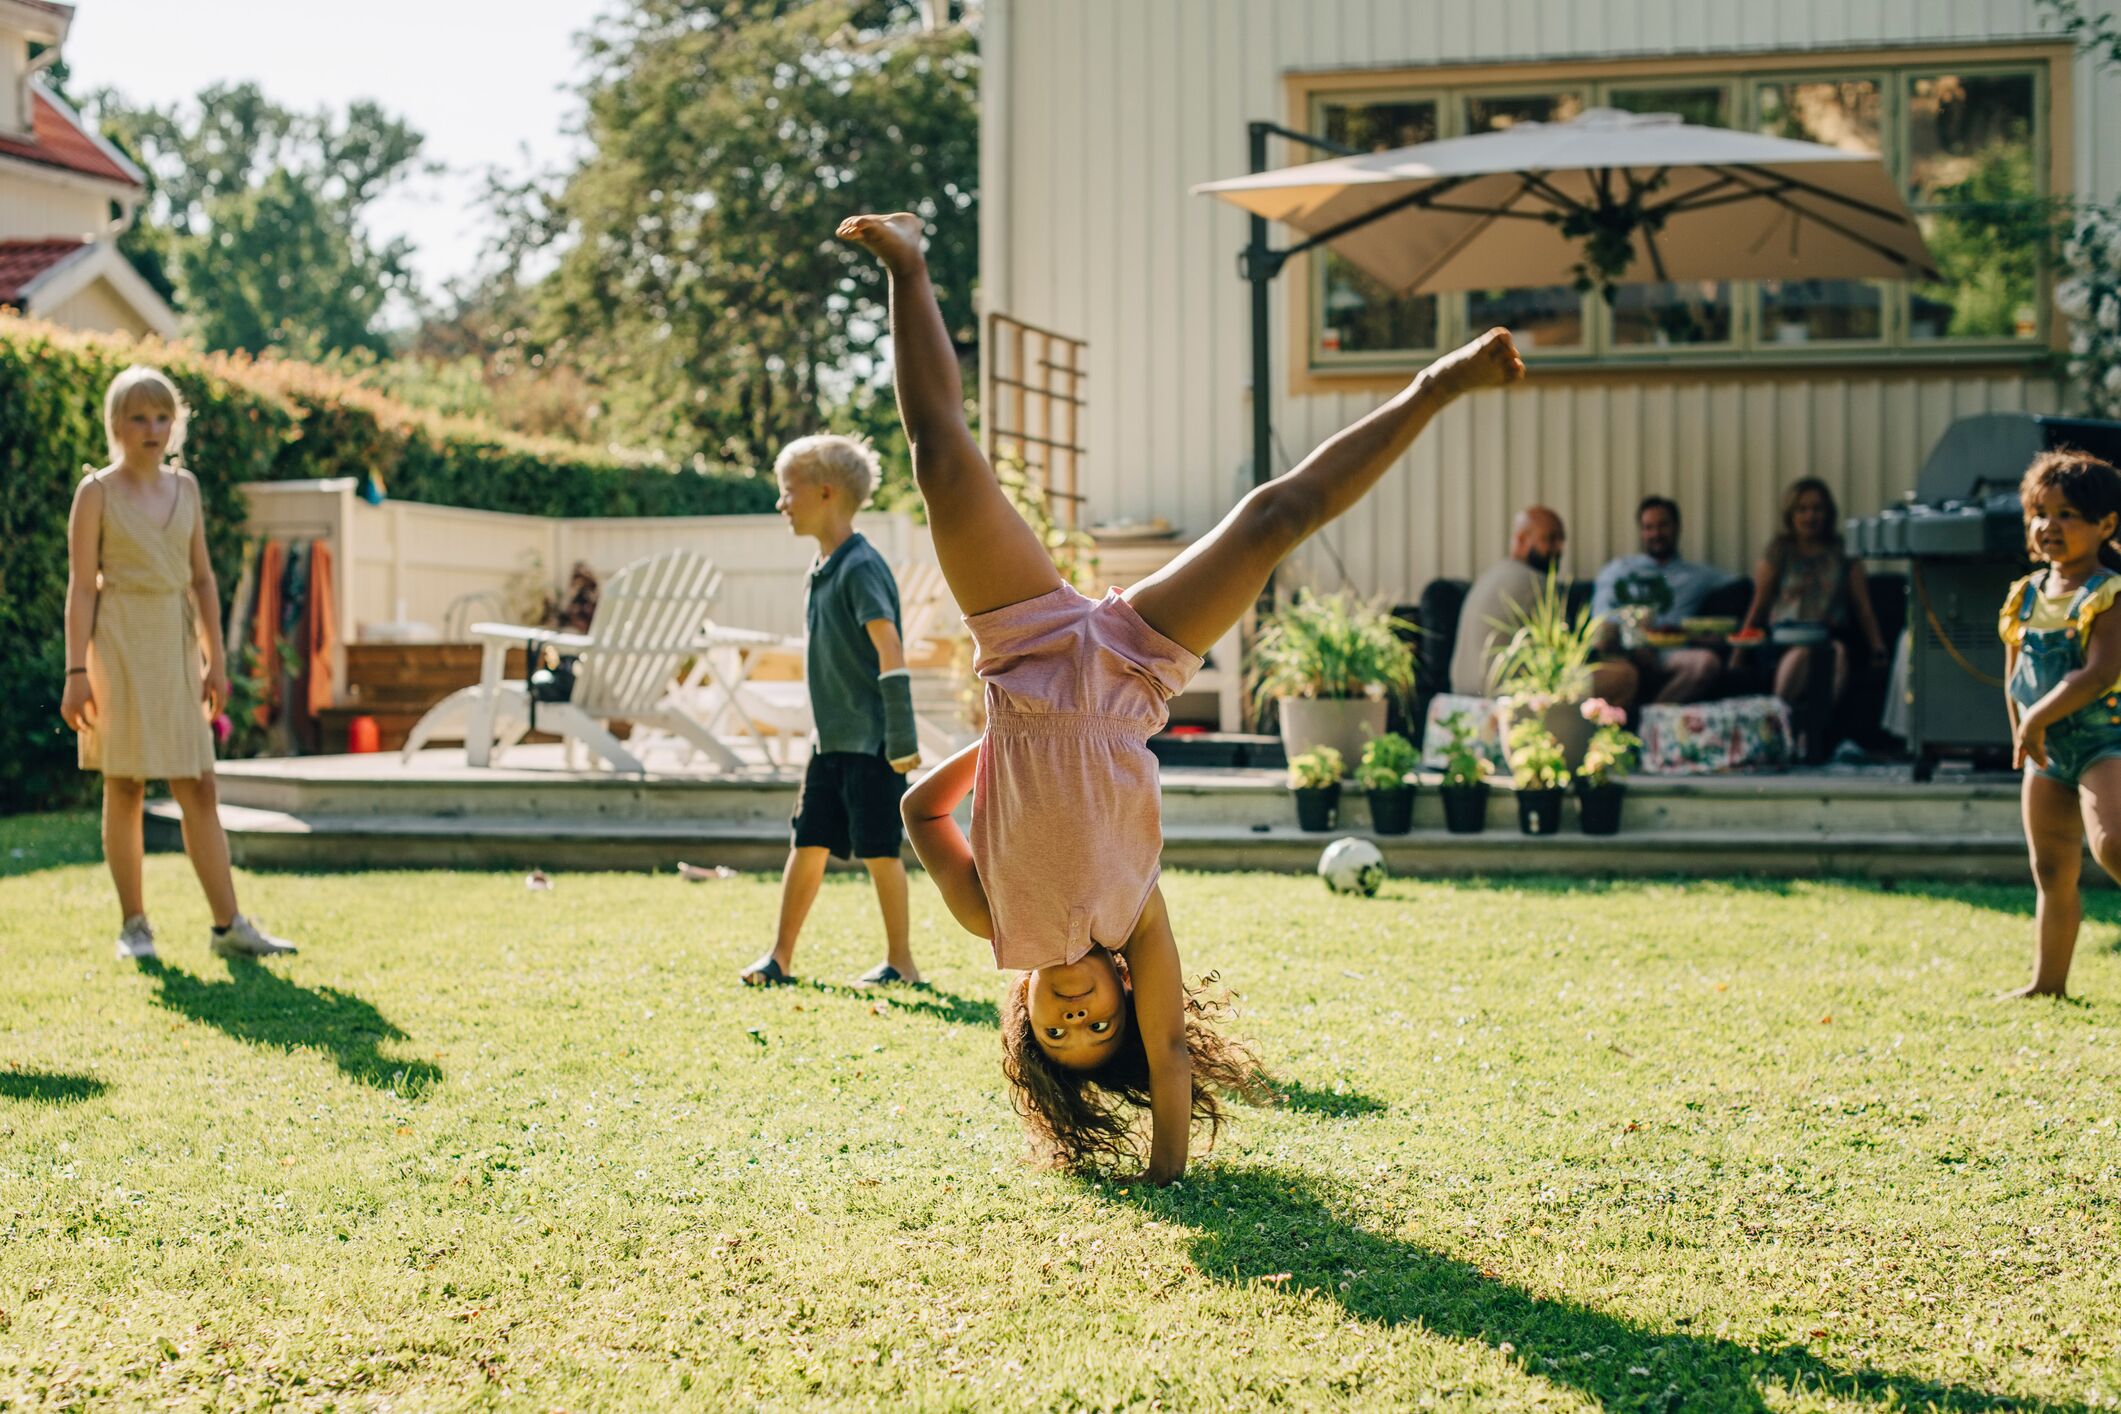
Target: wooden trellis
[{"x": 1033, "y": 408}]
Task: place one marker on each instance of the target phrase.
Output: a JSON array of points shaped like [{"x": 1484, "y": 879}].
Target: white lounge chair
[
  {"x": 651, "y": 617},
  {"x": 783, "y": 705}
]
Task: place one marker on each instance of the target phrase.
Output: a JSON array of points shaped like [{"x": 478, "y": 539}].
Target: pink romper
[{"x": 1067, "y": 826}]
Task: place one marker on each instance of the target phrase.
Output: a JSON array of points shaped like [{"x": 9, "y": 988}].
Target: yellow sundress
[{"x": 145, "y": 663}]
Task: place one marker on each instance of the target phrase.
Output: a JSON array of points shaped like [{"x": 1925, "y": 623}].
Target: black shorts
[{"x": 849, "y": 805}]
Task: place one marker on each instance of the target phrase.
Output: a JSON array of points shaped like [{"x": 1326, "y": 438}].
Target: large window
[{"x": 1967, "y": 144}]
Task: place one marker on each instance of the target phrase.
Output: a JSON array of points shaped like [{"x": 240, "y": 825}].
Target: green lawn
[{"x": 1717, "y": 1146}]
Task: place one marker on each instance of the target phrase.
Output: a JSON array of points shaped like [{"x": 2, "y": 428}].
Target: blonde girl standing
[{"x": 141, "y": 604}]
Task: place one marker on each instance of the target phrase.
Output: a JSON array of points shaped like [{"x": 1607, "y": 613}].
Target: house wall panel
[{"x": 1115, "y": 109}]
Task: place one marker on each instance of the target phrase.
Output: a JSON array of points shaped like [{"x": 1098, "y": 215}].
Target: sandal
[
  {"x": 764, "y": 973},
  {"x": 884, "y": 975}
]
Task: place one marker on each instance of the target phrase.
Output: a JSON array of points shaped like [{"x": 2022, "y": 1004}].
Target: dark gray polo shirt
[{"x": 849, "y": 588}]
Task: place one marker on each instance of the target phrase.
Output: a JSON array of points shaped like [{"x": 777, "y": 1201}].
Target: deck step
[{"x": 264, "y": 838}]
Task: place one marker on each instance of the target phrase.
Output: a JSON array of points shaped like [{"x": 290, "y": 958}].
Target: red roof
[
  {"x": 21, "y": 262},
  {"x": 57, "y": 139}
]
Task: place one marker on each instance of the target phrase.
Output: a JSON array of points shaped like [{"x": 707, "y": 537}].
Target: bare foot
[
  {"x": 895, "y": 239},
  {"x": 1490, "y": 361},
  {"x": 2029, "y": 991}
]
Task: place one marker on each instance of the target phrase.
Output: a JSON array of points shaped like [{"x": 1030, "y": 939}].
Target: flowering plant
[
  {"x": 1536, "y": 759},
  {"x": 1613, "y": 749},
  {"x": 1464, "y": 764},
  {"x": 1317, "y": 768},
  {"x": 1387, "y": 762},
  {"x": 2091, "y": 298}
]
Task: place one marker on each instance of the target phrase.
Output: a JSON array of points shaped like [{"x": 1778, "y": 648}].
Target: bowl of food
[
  {"x": 1749, "y": 637},
  {"x": 1663, "y": 638},
  {"x": 1709, "y": 626},
  {"x": 1799, "y": 635}
]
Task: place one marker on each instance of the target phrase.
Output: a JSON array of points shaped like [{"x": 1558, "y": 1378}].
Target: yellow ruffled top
[{"x": 2052, "y": 610}]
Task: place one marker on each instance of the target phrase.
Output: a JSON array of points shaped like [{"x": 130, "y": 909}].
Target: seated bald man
[{"x": 1537, "y": 539}]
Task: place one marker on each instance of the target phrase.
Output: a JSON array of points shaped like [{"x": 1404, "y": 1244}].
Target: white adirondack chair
[
  {"x": 651, "y": 617},
  {"x": 784, "y": 706}
]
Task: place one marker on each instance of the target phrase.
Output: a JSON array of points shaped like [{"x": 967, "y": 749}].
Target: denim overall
[{"x": 2045, "y": 657}]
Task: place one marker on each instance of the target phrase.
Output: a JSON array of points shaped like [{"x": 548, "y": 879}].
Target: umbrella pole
[{"x": 1261, "y": 266}]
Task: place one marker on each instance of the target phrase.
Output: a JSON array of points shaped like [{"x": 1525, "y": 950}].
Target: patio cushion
[{"x": 1705, "y": 738}]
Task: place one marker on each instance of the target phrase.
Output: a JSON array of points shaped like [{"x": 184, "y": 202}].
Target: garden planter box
[
  {"x": 1601, "y": 807},
  {"x": 1539, "y": 811},
  {"x": 1391, "y": 811},
  {"x": 1465, "y": 809},
  {"x": 1317, "y": 807},
  {"x": 1344, "y": 723}
]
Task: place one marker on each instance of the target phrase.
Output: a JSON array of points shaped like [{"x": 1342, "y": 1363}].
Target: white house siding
[
  {"x": 97, "y": 306},
  {"x": 38, "y": 207},
  {"x": 1100, "y": 115}
]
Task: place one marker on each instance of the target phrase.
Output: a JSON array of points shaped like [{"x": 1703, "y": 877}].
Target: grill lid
[{"x": 1990, "y": 451}]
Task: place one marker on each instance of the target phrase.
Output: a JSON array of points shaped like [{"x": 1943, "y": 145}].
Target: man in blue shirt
[{"x": 1673, "y": 589}]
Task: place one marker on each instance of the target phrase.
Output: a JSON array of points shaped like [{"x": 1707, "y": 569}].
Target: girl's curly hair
[
  {"x": 2089, "y": 484},
  {"x": 1092, "y": 1118}
]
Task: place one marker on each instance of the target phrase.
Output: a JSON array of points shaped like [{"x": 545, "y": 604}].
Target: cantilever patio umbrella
[{"x": 1610, "y": 198}]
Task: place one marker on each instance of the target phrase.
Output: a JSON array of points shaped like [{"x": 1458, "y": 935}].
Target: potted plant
[
  {"x": 1331, "y": 663},
  {"x": 1465, "y": 778},
  {"x": 1601, "y": 780},
  {"x": 1545, "y": 667},
  {"x": 1541, "y": 774},
  {"x": 1386, "y": 776},
  {"x": 1315, "y": 778}
]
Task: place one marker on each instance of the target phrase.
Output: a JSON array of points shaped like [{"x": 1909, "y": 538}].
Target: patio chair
[
  {"x": 651, "y": 617},
  {"x": 782, "y": 707}
]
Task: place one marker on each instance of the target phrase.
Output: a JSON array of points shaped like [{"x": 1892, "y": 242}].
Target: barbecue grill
[{"x": 1962, "y": 534}]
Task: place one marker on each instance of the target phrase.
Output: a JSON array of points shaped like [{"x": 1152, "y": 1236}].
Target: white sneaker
[
  {"x": 244, "y": 938},
  {"x": 136, "y": 940}
]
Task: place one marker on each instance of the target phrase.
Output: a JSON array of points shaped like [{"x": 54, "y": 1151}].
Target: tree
[
  {"x": 2098, "y": 34},
  {"x": 253, "y": 217},
  {"x": 730, "y": 137}
]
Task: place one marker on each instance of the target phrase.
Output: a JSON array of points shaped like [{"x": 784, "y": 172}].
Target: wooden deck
[{"x": 372, "y": 812}]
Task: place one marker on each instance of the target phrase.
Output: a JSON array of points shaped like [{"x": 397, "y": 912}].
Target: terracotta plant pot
[
  {"x": 1465, "y": 809},
  {"x": 1317, "y": 807},
  {"x": 1344, "y": 723},
  {"x": 1539, "y": 811},
  {"x": 1391, "y": 810},
  {"x": 1601, "y": 807}
]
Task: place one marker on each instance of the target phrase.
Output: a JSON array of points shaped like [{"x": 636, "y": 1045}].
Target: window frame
[
  {"x": 1314, "y": 325},
  {"x": 1739, "y": 76},
  {"x": 2045, "y": 330}
]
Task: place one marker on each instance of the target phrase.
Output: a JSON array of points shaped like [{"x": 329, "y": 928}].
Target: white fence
[{"x": 408, "y": 563}]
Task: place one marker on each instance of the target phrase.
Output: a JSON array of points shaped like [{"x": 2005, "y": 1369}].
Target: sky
[{"x": 489, "y": 83}]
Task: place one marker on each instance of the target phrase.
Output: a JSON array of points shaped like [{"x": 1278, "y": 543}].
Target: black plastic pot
[
  {"x": 1601, "y": 807},
  {"x": 1539, "y": 811},
  {"x": 1465, "y": 809},
  {"x": 1391, "y": 810},
  {"x": 1317, "y": 807}
]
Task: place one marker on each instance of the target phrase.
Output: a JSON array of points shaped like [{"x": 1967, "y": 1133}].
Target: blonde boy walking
[{"x": 861, "y": 699}]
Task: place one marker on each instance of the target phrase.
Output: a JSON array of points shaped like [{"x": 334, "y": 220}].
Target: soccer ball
[{"x": 1352, "y": 866}]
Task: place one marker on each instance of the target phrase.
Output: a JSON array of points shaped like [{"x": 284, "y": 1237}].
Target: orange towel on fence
[
  {"x": 322, "y": 626},
  {"x": 265, "y": 627}
]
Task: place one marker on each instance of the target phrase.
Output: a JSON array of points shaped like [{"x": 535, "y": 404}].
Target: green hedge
[{"x": 249, "y": 422}]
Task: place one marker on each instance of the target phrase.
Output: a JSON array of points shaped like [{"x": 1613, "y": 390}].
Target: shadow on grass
[
  {"x": 928, "y": 1001},
  {"x": 1307, "y": 1099},
  {"x": 259, "y": 1006},
  {"x": 1279, "y": 1227},
  {"x": 44, "y": 1087}
]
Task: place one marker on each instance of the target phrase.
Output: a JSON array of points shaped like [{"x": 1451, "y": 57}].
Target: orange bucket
[{"x": 362, "y": 736}]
